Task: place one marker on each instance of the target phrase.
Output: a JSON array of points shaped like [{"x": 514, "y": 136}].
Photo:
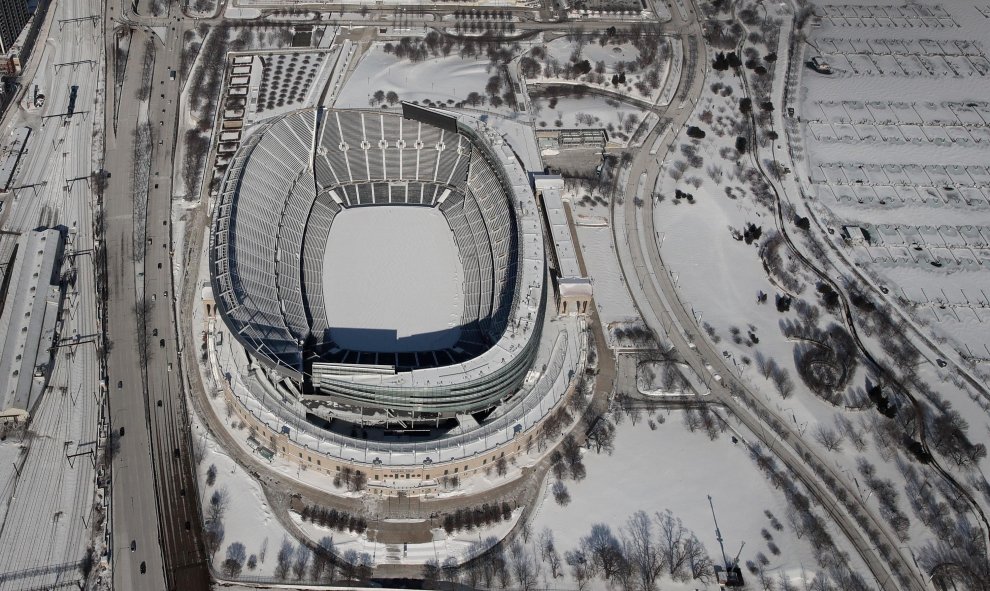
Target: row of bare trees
[{"x": 643, "y": 550}]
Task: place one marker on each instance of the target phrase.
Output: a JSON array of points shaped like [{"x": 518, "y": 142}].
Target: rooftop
[
  {"x": 30, "y": 310},
  {"x": 550, "y": 188}
]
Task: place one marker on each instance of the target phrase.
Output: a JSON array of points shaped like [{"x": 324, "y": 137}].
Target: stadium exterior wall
[{"x": 426, "y": 463}]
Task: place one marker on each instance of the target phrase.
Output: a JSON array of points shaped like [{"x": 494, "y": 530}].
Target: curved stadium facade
[{"x": 271, "y": 247}]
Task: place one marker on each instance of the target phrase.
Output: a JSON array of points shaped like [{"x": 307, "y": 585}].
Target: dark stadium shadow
[{"x": 382, "y": 340}]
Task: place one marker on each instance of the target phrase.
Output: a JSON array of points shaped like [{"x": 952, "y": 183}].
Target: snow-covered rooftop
[
  {"x": 550, "y": 187},
  {"x": 30, "y": 310}
]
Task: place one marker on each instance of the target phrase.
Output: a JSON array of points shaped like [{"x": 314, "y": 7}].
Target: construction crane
[
  {"x": 718, "y": 534},
  {"x": 735, "y": 561},
  {"x": 733, "y": 575}
]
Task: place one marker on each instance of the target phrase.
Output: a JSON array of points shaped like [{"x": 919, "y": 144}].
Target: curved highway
[{"x": 654, "y": 294}]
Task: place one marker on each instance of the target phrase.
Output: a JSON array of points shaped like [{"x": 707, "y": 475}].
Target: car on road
[
  {"x": 144, "y": 567},
  {"x": 133, "y": 545},
  {"x": 120, "y": 384},
  {"x": 121, "y": 431},
  {"x": 161, "y": 343},
  {"x": 941, "y": 362}
]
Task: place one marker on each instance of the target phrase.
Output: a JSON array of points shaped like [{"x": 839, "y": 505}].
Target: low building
[
  {"x": 572, "y": 290},
  {"x": 557, "y": 139},
  {"x": 30, "y": 307}
]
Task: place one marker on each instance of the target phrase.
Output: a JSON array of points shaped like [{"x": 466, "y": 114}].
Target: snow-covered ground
[
  {"x": 261, "y": 533},
  {"x": 715, "y": 221},
  {"x": 915, "y": 107},
  {"x": 716, "y": 226},
  {"x": 443, "y": 80},
  {"x": 458, "y": 545},
  {"x": 673, "y": 468},
  {"x": 409, "y": 303},
  {"x": 645, "y": 82},
  {"x": 590, "y": 111}
]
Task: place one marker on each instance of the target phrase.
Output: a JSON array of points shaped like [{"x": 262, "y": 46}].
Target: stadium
[{"x": 389, "y": 266}]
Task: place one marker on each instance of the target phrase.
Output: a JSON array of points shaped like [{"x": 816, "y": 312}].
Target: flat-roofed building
[
  {"x": 572, "y": 289},
  {"x": 30, "y": 304}
]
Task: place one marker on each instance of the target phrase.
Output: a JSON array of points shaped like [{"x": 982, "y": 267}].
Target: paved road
[
  {"x": 135, "y": 514},
  {"x": 654, "y": 293},
  {"x": 155, "y": 499}
]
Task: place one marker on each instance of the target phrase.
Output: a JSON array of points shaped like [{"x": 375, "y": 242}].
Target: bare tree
[
  {"x": 551, "y": 557},
  {"x": 323, "y": 567},
  {"x": 699, "y": 563},
  {"x": 582, "y": 568},
  {"x": 525, "y": 567},
  {"x": 219, "y": 501},
  {"x": 672, "y": 535},
  {"x": 214, "y": 533},
  {"x": 301, "y": 564},
  {"x": 234, "y": 563},
  {"x": 430, "y": 573},
  {"x": 828, "y": 437},
  {"x": 851, "y": 432},
  {"x": 603, "y": 550},
  {"x": 560, "y": 493},
  {"x": 450, "y": 571},
  {"x": 782, "y": 380},
  {"x": 284, "y": 559},
  {"x": 644, "y": 553}
]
